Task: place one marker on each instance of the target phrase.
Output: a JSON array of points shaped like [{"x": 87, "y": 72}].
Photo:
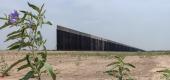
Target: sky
[{"x": 144, "y": 24}]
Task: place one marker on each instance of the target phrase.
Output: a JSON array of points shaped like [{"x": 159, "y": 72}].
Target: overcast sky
[{"x": 143, "y": 24}]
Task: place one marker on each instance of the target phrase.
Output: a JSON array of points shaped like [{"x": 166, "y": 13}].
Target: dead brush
[
  {"x": 77, "y": 62},
  {"x": 3, "y": 65}
]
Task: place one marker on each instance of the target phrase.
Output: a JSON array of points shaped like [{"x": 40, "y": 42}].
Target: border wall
[{"x": 72, "y": 40}]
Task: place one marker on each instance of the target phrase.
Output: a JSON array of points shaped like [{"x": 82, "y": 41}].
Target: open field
[{"x": 84, "y": 65}]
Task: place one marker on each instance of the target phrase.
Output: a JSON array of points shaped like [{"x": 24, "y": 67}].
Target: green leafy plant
[
  {"x": 3, "y": 65},
  {"x": 119, "y": 69},
  {"x": 165, "y": 74},
  {"x": 28, "y": 36}
]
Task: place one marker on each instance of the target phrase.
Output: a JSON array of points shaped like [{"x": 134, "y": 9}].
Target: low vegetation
[
  {"x": 107, "y": 53},
  {"x": 27, "y": 35},
  {"x": 119, "y": 69},
  {"x": 165, "y": 74},
  {"x": 3, "y": 65}
]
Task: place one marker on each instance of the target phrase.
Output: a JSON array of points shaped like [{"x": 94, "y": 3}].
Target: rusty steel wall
[{"x": 72, "y": 40}]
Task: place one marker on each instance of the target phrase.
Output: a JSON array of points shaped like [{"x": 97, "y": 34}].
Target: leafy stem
[
  {"x": 29, "y": 37},
  {"x": 119, "y": 69}
]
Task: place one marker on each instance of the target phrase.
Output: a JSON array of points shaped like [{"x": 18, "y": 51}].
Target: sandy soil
[{"x": 92, "y": 67}]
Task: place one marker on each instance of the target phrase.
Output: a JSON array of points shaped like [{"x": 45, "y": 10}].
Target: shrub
[
  {"x": 119, "y": 69},
  {"x": 165, "y": 74},
  {"x": 28, "y": 36}
]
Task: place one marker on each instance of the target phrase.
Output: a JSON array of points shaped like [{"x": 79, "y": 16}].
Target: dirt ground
[{"x": 92, "y": 67}]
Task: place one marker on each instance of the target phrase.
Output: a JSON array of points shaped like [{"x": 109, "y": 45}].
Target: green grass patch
[{"x": 107, "y": 53}]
